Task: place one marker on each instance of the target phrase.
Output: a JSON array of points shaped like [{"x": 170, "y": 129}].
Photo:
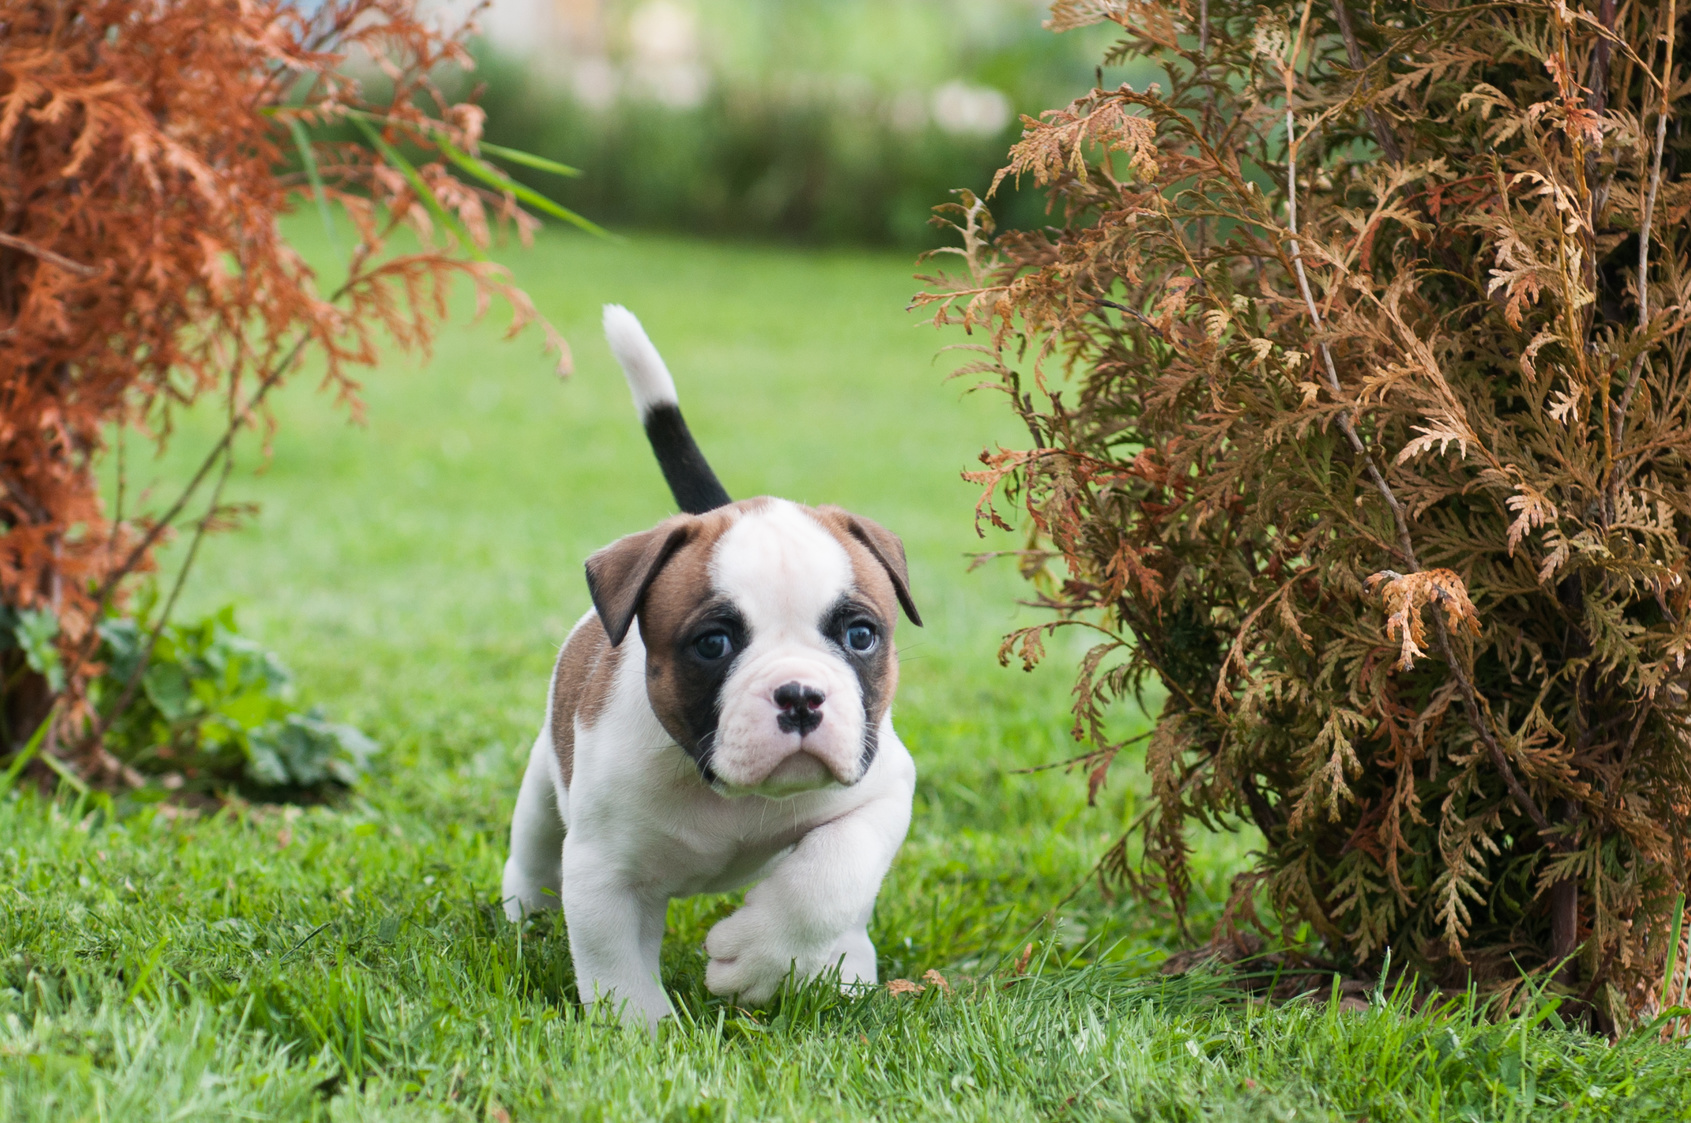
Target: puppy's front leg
[
  {"x": 616, "y": 935},
  {"x": 812, "y": 911}
]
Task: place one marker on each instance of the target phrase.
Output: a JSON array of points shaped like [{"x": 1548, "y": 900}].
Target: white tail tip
[{"x": 647, "y": 376}]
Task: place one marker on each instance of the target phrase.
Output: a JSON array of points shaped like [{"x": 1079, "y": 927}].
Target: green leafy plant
[
  {"x": 1357, "y": 376},
  {"x": 208, "y": 709}
]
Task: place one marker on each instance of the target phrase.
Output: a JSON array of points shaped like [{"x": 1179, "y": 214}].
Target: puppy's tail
[{"x": 691, "y": 481}]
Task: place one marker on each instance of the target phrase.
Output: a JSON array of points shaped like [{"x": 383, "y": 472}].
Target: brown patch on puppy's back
[{"x": 581, "y": 685}]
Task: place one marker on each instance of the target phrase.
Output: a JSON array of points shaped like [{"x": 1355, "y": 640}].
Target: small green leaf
[
  {"x": 36, "y": 631},
  {"x": 529, "y": 159},
  {"x": 167, "y": 687},
  {"x": 251, "y": 710}
]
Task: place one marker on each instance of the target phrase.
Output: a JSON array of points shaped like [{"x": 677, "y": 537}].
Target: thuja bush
[
  {"x": 1356, "y": 372},
  {"x": 148, "y": 151}
]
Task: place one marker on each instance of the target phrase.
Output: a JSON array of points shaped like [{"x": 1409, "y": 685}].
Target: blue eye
[
  {"x": 713, "y": 645},
  {"x": 861, "y": 638}
]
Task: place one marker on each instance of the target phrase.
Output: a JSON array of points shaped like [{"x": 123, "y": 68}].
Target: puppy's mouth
[{"x": 798, "y": 772}]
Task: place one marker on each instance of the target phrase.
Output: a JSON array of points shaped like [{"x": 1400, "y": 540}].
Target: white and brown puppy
[{"x": 721, "y": 717}]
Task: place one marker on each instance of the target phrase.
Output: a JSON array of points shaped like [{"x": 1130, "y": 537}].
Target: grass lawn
[{"x": 418, "y": 573}]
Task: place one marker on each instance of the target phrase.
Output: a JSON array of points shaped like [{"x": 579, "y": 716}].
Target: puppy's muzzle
[
  {"x": 799, "y": 707},
  {"x": 791, "y": 721}
]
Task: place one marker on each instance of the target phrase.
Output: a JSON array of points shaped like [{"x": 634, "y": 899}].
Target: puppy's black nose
[{"x": 801, "y": 708}]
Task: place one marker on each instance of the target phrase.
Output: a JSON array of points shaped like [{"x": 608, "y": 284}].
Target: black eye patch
[
  {"x": 854, "y": 627},
  {"x": 861, "y": 636},
  {"x": 705, "y": 652}
]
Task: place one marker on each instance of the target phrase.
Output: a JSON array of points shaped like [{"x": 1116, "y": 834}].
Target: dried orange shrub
[
  {"x": 145, "y": 148},
  {"x": 1357, "y": 376}
]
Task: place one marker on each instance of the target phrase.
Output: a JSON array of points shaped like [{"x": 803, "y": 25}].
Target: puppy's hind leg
[{"x": 534, "y": 871}]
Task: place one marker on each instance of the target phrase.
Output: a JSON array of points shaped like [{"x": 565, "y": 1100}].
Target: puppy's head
[{"x": 768, "y": 632}]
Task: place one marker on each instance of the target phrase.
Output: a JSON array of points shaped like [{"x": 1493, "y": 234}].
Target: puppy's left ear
[
  {"x": 619, "y": 575},
  {"x": 886, "y": 548}
]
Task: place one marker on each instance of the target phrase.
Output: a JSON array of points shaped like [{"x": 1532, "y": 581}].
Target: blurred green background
[{"x": 812, "y": 120}]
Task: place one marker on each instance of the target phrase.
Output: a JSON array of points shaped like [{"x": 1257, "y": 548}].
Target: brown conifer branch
[
  {"x": 12, "y": 241},
  {"x": 1644, "y": 229},
  {"x": 1447, "y": 651},
  {"x": 1476, "y": 718},
  {"x": 1600, "y": 54},
  {"x": 127, "y": 697},
  {"x": 1376, "y": 120},
  {"x": 1346, "y": 426},
  {"x": 230, "y": 432}
]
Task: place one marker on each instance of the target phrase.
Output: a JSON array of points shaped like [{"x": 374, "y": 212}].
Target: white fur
[
  {"x": 648, "y": 377},
  {"x": 643, "y": 827},
  {"x": 784, "y": 572}
]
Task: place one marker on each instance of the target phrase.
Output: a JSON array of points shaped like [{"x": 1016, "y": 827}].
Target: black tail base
[{"x": 691, "y": 481}]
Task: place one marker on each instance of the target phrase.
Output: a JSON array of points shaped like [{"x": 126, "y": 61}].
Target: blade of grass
[
  {"x": 302, "y": 141},
  {"x": 485, "y": 172},
  {"x": 529, "y": 159},
  {"x": 491, "y": 175},
  {"x": 75, "y": 782},
  {"x": 418, "y": 184},
  {"x": 147, "y": 969},
  {"x": 27, "y": 753},
  {"x": 1673, "y": 949}
]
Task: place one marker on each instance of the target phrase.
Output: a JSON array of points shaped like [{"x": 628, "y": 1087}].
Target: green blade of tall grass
[
  {"x": 492, "y": 176},
  {"x": 529, "y": 159},
  {"x": 425, "y": 193},
  {"x": 314, "y": 175}
]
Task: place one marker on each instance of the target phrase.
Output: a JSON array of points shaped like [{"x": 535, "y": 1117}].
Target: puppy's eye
[
  {"x": 861, "y": 638},
  {"x": 713, "y": 645}
]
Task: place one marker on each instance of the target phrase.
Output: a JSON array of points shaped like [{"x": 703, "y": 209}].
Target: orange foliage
[{"x": 144, "y": 152}]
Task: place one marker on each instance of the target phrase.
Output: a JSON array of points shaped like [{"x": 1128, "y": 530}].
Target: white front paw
[{"x": 750, "y": 959}]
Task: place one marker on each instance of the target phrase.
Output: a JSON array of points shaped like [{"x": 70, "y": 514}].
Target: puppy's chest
[{"x": 699, "y": 849}]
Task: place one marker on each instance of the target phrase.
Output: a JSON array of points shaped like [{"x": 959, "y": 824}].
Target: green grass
[{"x": 349, "y": 962}]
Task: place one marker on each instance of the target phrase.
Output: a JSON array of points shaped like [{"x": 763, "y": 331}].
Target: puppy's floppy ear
[
  {"x": 886, "y": 548},
  {"x": 619, "y": 575}
]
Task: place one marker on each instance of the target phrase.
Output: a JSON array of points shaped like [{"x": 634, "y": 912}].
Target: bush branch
[
  {"x": 12, "y": 241},
  {"x": 1447, "y": 651},
  {"x": 1644, "y": 231}
]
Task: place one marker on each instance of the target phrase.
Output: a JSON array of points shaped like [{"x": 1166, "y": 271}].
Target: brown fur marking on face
[
  {"x": 619, "y": 575},
  {"x": 675, "y": 598},
  {"x": 671, "y": 607},
  {"x": 875, "y": 583},
  {"x": 883, "y": 546},
  {"x": 581, "y": 686}
]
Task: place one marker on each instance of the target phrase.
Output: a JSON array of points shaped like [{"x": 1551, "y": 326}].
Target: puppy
[{"x": 721, "y": 717}]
